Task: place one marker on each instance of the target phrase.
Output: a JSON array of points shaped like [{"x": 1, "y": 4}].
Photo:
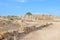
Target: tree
[{"x": 28, "y": 13}]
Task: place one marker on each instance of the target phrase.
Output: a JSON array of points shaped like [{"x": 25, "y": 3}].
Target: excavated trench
[{"x": 15, "y": 35}]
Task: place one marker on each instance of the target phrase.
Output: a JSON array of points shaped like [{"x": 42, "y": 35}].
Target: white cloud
[
  {"x": 17, "y": 1},
  {"x": 21, "y": 1}
]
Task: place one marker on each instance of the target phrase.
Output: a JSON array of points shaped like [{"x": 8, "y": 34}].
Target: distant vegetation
[{"x": 28, "y": 13}]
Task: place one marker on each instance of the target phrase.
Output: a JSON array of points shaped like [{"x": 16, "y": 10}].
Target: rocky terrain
[{"x": 34, "y": 27}]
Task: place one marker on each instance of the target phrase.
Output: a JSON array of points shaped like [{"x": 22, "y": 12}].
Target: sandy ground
[{"x": 50, "y": 33}]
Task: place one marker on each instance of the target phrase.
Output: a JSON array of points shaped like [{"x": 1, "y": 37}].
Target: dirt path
[{"x": 50, "y": 33}]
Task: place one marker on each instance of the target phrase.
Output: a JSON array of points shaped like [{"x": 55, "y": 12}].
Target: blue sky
[{"x": 20, "y": 7}]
